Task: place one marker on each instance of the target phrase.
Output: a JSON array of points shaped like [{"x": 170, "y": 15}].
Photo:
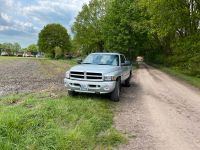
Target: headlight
[
  {"x": 110, "y": 78},
  {"x": 67, "y": 74}
]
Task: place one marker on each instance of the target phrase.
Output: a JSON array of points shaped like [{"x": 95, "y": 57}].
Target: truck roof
[{"x": 110, "y": 53}]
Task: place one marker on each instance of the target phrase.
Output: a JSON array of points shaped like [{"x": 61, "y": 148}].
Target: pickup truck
[{"x": 99, "y": 73}]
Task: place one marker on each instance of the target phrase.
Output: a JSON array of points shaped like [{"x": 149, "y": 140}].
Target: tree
[
  {"x": 51, "y": 36},
  {"x": 7, "y": 47},
  {"x": 32, "y": 48},
  {"x": 1, "y": 47},
  {"x": 88, "y": 27},
  {"x": 10, "y": 47},
  {"x": 165, "y": 32},
  {"x": 125, "y": 30},
  {"x": 16, "y": 47}
]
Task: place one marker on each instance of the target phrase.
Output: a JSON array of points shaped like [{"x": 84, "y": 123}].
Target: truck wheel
[
  {"x": 127, "y": 81},
  {"x": 72, "y": 93},
  {"x": 116, "y": 93}
]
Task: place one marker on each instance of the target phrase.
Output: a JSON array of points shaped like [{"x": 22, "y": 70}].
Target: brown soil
[
  {"x": 30, "y": 75},
  {"x": 163, "y": 113}
]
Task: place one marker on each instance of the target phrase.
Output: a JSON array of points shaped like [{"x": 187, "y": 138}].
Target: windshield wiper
[
  {"x": 102, "y": 64},
  {"x": 86, "y": 63}
]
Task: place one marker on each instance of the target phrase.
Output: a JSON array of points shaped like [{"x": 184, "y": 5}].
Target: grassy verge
[
  {"x": 40, "y": 121},
  {"x": 177, "y": 73}
]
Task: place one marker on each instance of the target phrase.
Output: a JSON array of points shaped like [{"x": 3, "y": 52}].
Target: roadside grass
[
  {"x": 39, "y": 121},
  {"x": 195, "y": 81}
]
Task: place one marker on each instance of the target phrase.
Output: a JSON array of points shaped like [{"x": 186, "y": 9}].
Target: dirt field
[
  {"x": 163, "y": 113},
  {"x": 30, "y": 75}
]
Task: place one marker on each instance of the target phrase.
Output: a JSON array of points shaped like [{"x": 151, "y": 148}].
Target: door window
[{"x": 123, "y": 59}]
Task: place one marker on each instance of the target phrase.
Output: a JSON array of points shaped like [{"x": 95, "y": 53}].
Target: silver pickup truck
[{"x": 100, "y": 73}]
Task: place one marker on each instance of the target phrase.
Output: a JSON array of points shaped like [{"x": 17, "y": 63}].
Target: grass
[
  {"x": 195, "y": 81},
  {"x": 38, "y": 121}
]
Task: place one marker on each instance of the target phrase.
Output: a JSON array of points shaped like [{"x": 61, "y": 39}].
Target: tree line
[
  {"x": 12, "y": 48},
  {"x": 164, "y": 32}
]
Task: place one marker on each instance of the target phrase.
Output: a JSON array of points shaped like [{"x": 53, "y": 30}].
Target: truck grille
[{"x": 86, "y": 76}]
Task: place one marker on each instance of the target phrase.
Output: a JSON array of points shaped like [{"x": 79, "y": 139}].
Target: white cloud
[
  {"x": 29, "y": 17},
  {"x": 5, "y": 17}
]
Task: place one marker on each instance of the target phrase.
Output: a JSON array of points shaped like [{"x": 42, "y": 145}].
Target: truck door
[{"x": 125, "y": 72}]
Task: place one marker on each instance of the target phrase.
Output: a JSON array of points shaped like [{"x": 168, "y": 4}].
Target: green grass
[
  {"x": 38, "y": 121},
  {"x": 195, "y": 81}
]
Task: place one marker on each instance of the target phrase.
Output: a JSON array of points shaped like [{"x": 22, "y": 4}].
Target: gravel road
[{"x": 159, "y": 113}]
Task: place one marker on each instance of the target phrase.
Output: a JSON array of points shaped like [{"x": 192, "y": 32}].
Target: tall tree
[
  {"x": 52, "y": 36},
  {"x": 124, "y": 28},
  {"x": 88, "y": 27}
]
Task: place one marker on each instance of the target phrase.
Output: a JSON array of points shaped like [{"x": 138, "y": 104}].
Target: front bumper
[{"x": 90, "y": 87}]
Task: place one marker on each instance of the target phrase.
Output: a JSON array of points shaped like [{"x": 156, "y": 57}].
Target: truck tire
[
  {"x": 127, "y": 81},
  {"x": 72, "y": 93},
  {"x": 114, "y": 96}
]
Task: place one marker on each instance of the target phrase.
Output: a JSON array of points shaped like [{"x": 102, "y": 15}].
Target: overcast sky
[{"x": 21, "y": 20}]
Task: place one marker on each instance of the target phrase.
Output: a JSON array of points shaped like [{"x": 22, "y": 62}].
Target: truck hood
[{"x": 104, "y": 69}]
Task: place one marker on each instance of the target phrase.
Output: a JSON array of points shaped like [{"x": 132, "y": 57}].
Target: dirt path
[{"x": 163, "y": 114}]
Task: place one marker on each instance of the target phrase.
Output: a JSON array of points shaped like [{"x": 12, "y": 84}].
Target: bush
[
  {"x": 186, "y": 55},
  {"x": 58, "y": 53}
]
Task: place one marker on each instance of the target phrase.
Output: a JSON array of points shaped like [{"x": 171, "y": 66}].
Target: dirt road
[{"x": 161, "y": 112}]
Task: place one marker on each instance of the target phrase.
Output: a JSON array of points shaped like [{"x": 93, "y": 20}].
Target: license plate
[{"x": 84, "y": 87}]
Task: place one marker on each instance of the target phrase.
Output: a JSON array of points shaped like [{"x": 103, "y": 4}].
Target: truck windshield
[{"x": 102, "y": 59}]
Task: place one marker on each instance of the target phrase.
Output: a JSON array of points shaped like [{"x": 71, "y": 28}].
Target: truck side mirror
[{"x": 127, "y": 63}]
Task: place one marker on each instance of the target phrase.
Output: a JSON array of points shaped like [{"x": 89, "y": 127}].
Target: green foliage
[
  {"x": 32, "y": 48},
  {"x": 186, "y": 54},
  {"x": 42, "y": 122},
  {"x": 16, "y": 47},
  {"x": 58, "y": 52},
  {"x": 10, "y": 47},
  {"x": 164, "y": 32},
  {"x": 88, "y": 27},
  {"x": 125, "y": 28},
  {"x": 51, "y": 36}
]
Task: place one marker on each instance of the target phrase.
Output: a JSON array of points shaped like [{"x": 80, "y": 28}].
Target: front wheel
[
  {"x": 116, "y": 93},
  {"x": 72, "y": 93}
]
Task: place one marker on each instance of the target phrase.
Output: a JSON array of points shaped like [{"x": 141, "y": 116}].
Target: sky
[{"x": 22, "y": 20}]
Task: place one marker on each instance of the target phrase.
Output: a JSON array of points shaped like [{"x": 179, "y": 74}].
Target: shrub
[{"x": 186, "y": 55}]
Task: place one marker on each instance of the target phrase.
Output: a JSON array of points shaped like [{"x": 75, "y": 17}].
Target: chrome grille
[{"x": 86, "y": 75}]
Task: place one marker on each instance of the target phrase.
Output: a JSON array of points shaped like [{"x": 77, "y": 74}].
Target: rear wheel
[
  {"x": 116, "y": 93},
  {"x": 127, "y": 81}
]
